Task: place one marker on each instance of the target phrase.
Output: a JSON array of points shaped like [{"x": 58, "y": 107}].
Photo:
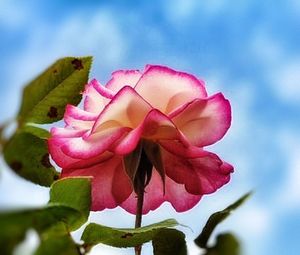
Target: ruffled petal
[
  {"x": 184, "y": 150},
  {"x": 59, "y": 136},
  {"x": 54, "y": 146},
  {"x": 92, "y": 145},
  {"x": 110, "y": 184},
  {"x": 175, "y": 194},
  {"x": 57, "y": 132},
  {"x": 202, "y": 175},
  {"x": 102, "y": 90},
  {"x": 204, "y": 121},
  {"x": 166, "y": 89},
  {"x": 155, "y": 126},
  {"x": 126, "y": 109},
  {"x": 78, "y": 118},
  {"x": 123, "y": 78},
  {"x": 93, "y": 101}
]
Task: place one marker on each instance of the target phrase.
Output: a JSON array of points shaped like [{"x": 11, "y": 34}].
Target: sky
[{"x": 248, "y": 49}]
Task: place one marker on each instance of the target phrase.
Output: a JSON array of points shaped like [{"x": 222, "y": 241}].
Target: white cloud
[
  {"x": 258, "y": 226},
  {"x": 281, "y": 69},
  {"x": 13, "y": 14},
  {"x": 289, "y": 192},
  {"x": 266, "y": 49},
  {"x": 237, "y": 146},
  {"x": 252, "y": 223},
  {"x": 285, "y": 79},
  {"x": 97, "y": 34},
  {"x": 16, "y": 192},
  {"x": 179, "y": 11},
  {"x": 294, "y": 6}
]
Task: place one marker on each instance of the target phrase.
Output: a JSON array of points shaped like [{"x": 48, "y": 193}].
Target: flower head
[{"x": 167, "y": 108}]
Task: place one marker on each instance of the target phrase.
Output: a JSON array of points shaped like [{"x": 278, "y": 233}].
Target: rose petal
[
  {"x": 126, "y": 109},
  {"x": 110, "y": 184},
  {"x": 204, "y": 121},
  {"x": 166, "y": 89},
  {"x": 59, "y": 136},
  {"x": 60, "y": 158},
  {"x": 123, "y": 78},
  {"x": 203, "y": 175},
  {"x": 92, "y": 145},
  {"x": 180, "y": 149},
  {"x": 93, "y": 101},
  {"x": 102, "y": 90},
  {"x": 175, "y": 194},
  {"x": 57, "y": 132},
  {"x": 79, "y": 119},
  {"x": 155, "y": 126}
]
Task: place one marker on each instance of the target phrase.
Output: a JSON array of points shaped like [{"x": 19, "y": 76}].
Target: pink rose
[{"x": 169, "y": 108}]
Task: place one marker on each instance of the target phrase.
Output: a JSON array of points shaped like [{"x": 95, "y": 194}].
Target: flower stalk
[
  {"x": 138, "y": 215},
  {"x": 141, "y": 180},
  {"x": 139, "y": 208}
]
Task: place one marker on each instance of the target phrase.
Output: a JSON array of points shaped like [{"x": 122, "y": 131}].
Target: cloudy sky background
[{"x": 247, "y": 49}]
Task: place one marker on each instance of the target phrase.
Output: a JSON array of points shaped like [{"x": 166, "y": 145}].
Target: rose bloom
[{"x": 166, "y": 107}]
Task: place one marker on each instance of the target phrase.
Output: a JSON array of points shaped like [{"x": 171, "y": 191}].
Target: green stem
[
  {"x": 138, "y": 215},
  {"x": 141, "y": 180}
]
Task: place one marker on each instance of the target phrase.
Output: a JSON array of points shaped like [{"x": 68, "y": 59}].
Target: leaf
[
  {"x": 28, "y": 156},
  {"x": 2, "y": 139},
  {"x": 75, "y": 193},
  {"x": 226, "y": 244},
  {"x": 45, "y": 98},
  {"x": 61, "y": 210},
  {"x": 36, "y": 131},
  {"x": 3, "y": 135},
  {"x": 15, "y": 224},
  {"x": 118, "y": 237},
  {"x": 169, "y": 242},
  {"x": 217, "y": 218},
  {"x": 58, "y": 241}
]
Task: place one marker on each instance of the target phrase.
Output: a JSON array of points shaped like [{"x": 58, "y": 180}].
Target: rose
[{"x": 166, "y": 107}]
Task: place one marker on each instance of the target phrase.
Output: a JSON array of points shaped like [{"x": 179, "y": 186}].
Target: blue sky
[{"x": 247, "y": 49}]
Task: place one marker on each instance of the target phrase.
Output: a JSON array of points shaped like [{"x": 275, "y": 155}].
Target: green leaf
[
  {"x": 45, "y": 98},
  {"x": 61, "y": 210},
  {"x": 3, "y": 135},
  {"x": 15, "y": 224},
  {"x": 36, "y": 131},
  {"x": 226, "y": 244},
  {"x": 58, "y": 241},
  {"x": 2, "y": 139},
  {"x": 28, "y": 156},
  {"x": 216, "y": 219},
  {"x": 75, "y": 193},
  {"x": 169, "y": 242},
  {"x": 118, "y": 237}
]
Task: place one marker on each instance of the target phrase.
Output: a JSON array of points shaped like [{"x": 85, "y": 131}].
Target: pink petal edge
[{"x": 204, "y": 121}]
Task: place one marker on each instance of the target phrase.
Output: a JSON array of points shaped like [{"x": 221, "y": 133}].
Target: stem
[
  {"x": 139, "y": 208},
  {"x": 141, "y": 180},
  {"x": 138, "y": 215}
]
